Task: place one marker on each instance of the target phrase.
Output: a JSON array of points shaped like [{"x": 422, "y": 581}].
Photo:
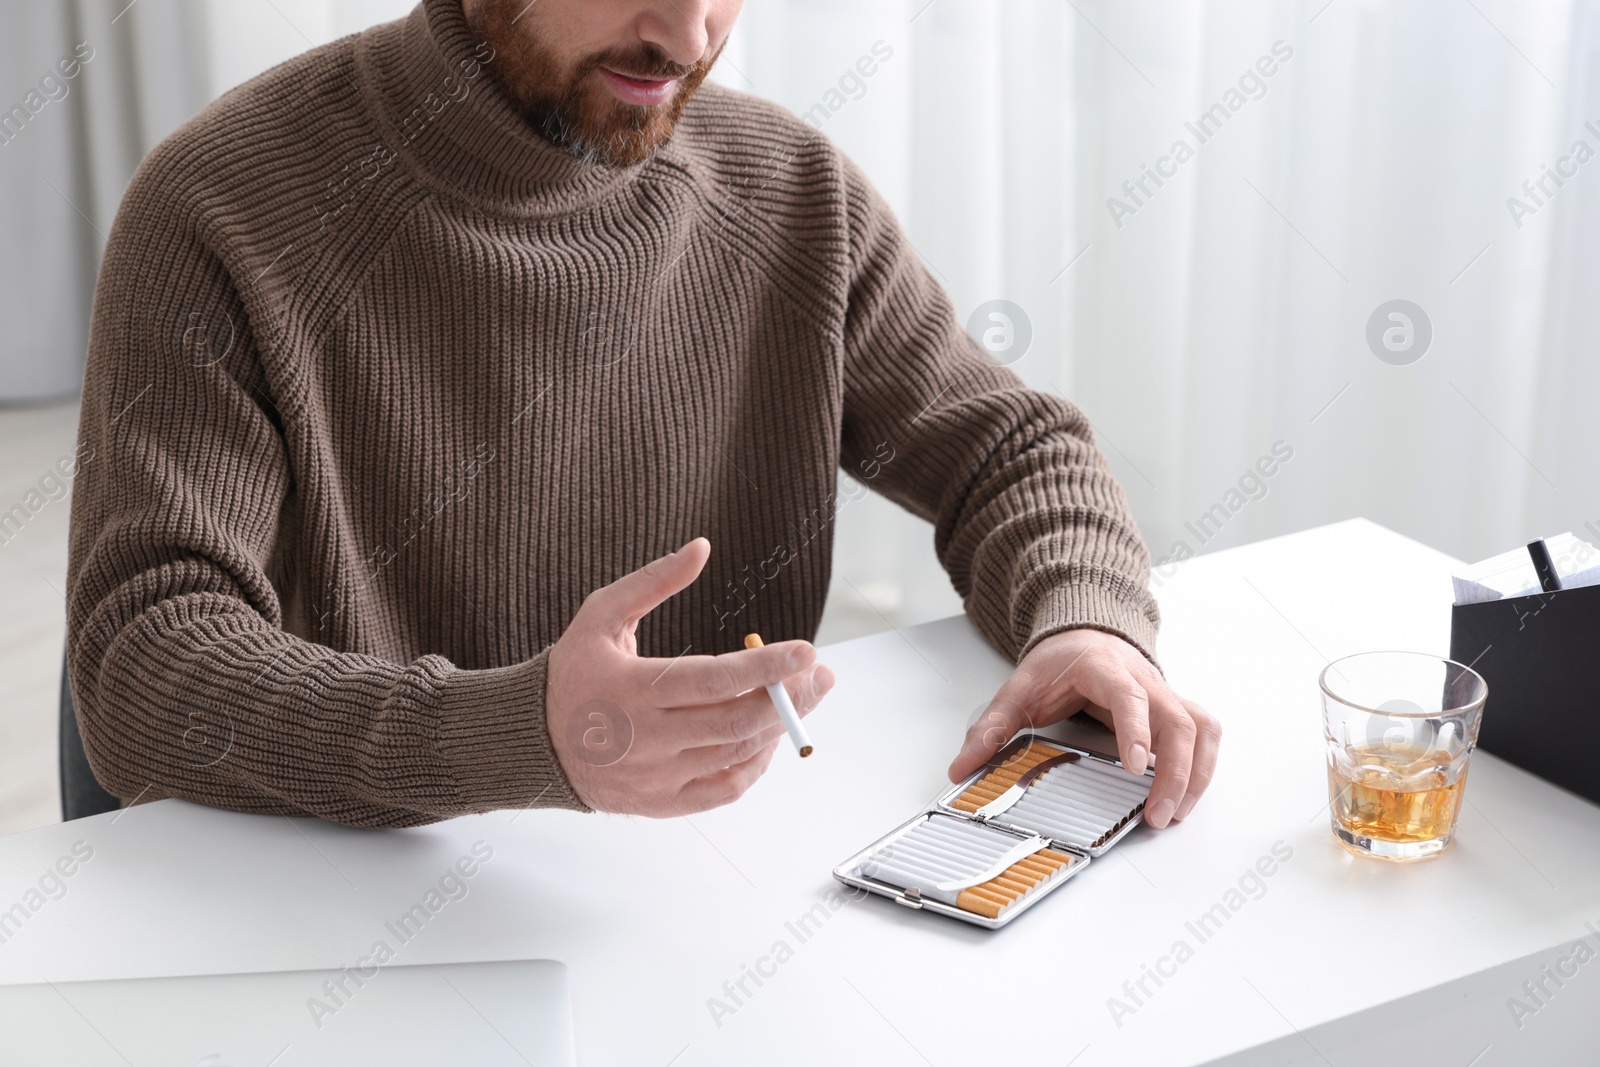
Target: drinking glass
[{"x": 1400, "y": 729}]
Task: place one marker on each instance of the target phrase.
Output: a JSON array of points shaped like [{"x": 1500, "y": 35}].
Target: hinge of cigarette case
[{"x": 911, "y": 897}]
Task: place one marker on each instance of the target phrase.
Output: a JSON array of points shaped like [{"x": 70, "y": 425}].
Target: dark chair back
[{"x": 81, "y": 793}]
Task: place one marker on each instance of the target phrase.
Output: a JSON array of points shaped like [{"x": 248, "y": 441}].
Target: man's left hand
[{"x": 1099, "y": 672}]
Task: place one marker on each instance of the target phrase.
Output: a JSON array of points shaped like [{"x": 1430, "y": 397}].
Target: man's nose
[{"x": 678, "y": 28}]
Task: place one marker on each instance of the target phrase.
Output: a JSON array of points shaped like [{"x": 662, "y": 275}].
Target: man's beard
[{"x": 571, "y": 106}]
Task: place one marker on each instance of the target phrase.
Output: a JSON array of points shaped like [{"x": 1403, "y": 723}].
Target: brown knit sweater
[{"x": 380, "y": 385}]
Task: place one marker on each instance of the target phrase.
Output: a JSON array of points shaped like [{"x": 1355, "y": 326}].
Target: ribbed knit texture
[{"x": 381, "y": 385}]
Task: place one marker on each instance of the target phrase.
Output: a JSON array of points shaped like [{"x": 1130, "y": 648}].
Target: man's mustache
[{"x": 646, "y": 64}]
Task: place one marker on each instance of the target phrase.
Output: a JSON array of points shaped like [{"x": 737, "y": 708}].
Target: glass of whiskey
[{"x": 1400, "y": 728}]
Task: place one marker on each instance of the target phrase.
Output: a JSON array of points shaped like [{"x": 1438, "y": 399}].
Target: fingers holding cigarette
[
  {"x": 805, "y": 690},
  {"x": 698, "y": 680},
  {"x": 662, "y": 736},
  {"x": 726, "y": 722}
]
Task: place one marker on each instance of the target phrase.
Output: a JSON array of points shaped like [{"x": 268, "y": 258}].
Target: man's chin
[
  {"x": 615, "y": 133},
  {"x": 622, "y": 146}
]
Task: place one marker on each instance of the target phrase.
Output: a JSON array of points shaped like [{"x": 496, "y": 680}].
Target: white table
[{"x": 1337, "y": 960}]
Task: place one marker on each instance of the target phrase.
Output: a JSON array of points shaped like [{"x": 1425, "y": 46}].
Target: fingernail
[
  {"x": 1137, "y": 759},
  {"x": 1185, "y": 808},
  {"x": 821, "y": 681},
  {"x": 1161, "y": 814}
]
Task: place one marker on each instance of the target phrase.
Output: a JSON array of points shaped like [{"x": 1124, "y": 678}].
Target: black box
[{"x": 1540, "y": 654}]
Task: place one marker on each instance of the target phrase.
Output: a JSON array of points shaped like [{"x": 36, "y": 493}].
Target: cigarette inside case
[
  {"x": 963, "y": 864},
  {"x": 1057, "y": 793}
]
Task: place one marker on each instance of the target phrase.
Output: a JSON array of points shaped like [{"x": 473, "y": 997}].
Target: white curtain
[
  {"x": 85, "y": 94},
  {"x": 69, "y": 143},
  {"x": 1213, "y": 326},
  {"x": 1218, "y": 331}
]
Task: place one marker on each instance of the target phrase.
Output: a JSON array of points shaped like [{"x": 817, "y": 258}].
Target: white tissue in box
[{"x": 1510, "y": 574}]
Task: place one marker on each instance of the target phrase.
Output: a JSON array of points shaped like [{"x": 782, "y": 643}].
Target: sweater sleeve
[
  {"x": 1032, "y": 528},
  {"x": 185, "y": 680}
]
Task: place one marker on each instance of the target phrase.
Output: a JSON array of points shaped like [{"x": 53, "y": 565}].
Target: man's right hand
[{"x": 666, "y": 737}]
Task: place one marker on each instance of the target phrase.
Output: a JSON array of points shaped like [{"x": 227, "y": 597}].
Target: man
[{"x": 414, "y": 359}]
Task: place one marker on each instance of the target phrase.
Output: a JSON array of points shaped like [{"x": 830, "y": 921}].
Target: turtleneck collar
[{"x": 428, "y": 80}]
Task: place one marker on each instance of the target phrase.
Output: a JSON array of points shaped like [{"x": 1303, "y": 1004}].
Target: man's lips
[{"x": 641, "y": 91}]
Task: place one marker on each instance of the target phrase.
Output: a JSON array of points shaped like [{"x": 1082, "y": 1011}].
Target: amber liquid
[{"x": 1389, "y": 797}]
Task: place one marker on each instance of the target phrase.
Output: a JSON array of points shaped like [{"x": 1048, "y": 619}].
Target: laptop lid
[{"x": 511, "y": 1013}]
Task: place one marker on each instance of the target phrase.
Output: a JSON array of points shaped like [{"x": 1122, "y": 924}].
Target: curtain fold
[
  {"x": 45, "y": 258},
  {"x": 66, "y": 155},
  {"x": 1375, "y": 165},
  {"x": 1213, "y": 322},
  {"x": 66, "y": 159}
]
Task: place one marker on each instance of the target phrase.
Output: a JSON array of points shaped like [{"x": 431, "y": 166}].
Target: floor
[{"x": 33, "y": 568}]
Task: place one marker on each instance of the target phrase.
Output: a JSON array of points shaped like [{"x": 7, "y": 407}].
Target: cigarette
[
  {"x": 894, "y": 865},
  {"x": 1117, "y": 773},
  {"x": 958, "y": 837},
  {"x": 927, "y": 870},
  {"x": 1105, "y": 787},
  {"x": 912, "y": 848},
  {"x": 1069, "y": 806},
  {"x": 939, "y": 850},
  {"x": 964, "y": 845},
  {"x": 1042, "y": 817},
  {"x": 1113, "y": 774},
  {"x": 1087, "y": 790},
  {"x": 1076, "y": 838},
  {"x": 887, "y": 872},
  {"x": 931, "y": 844},
  {"x": 1064, "y": 823},
  {"x": 1065, "y": 809},
  {"x": 1086, "y": 799},
  {"x": 785, "y": 706},
  {"x": 957, "y": 861},
  {"x": 995, "y": 896}
]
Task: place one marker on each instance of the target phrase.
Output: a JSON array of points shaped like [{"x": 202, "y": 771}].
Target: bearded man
[{"x": 461, "y": 392}]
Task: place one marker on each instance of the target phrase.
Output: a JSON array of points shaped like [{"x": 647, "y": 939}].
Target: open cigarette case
[{"x": 991, "y": 846}]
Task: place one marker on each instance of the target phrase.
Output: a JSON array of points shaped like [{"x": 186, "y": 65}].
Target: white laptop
[{"x": 514, "y": 1012}]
